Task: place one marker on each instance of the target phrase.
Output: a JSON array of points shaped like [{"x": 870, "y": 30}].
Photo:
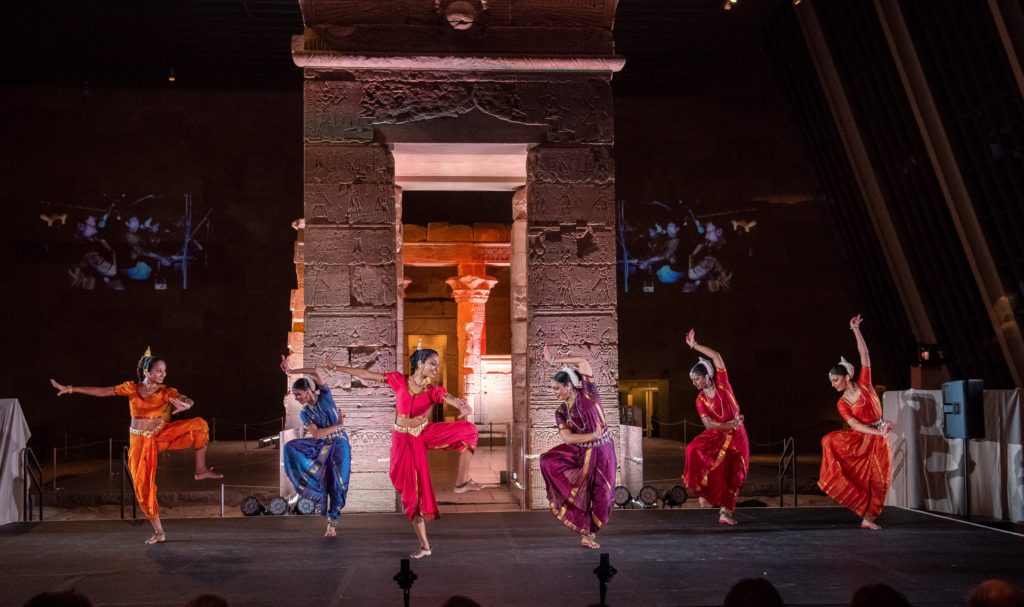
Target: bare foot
[
  {"x": 590, "y": 541},
  {"x": 420, "y": 553},
  {"x": 868, "y": 524},
  {"x": 725, "y": 517},
  {"x": 703, "y": 502},
  {"x": 158, "y": 538},
  {"x": 469, "y": 485},
  {"x": 331, "y": 530},
  {"x": 208, "y": 473}
]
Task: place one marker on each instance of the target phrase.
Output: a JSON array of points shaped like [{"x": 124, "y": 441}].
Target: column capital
[{"x": 471, "y": 289}]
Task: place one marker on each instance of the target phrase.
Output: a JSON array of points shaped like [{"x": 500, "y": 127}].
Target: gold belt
[
  {"x": 415, "y": 430},
  {"x": 146, "y": 433}
]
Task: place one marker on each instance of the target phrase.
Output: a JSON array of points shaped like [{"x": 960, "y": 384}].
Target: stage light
[
  {"x": 170, "y": 76},
  {"x": 676, "y": 496},
  {"x": 622, "y": 497},
  {"x": 727, "y": 5},
  {"x": 648, "y": 496},
  {"x": 278, "y": 506},
  {"x": 796, "y": 2},
  {"x": 251, "y": 506},
  {"x": 305, "y": 506}
]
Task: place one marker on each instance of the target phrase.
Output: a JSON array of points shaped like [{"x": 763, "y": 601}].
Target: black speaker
[{"x": 963, "y": 409}]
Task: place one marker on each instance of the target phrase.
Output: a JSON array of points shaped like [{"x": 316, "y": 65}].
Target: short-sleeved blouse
[
  {"x": 151, "y": 407},
  {"x": 722, "y": 407},
  {"x": 586, "y": 414},
  {"x": 409, "y": 405},
  {"x": 867, "y": 409},
  {"x": 323, "y": 413}
]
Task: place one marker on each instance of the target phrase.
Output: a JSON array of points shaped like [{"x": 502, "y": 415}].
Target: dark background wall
[{"x": 239, "y": 152}]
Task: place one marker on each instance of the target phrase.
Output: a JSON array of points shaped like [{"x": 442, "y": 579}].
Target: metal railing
[
  {"x": 126, "y": 477},
  {"x": 32, "y": 473},
  {"x": 787, "y": 467}
]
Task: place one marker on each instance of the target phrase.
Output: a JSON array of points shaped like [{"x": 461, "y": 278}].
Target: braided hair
[{"x": 145, "y": 364}]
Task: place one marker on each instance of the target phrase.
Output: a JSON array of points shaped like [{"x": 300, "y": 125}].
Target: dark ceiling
[{"x": 669, "y": 45}]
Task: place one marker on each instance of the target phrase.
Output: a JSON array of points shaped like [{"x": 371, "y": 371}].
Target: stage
[{"x": 815, "y": 556}]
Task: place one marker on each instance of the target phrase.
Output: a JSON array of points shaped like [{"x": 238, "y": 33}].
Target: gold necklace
[{"x": 718, "y": 399}]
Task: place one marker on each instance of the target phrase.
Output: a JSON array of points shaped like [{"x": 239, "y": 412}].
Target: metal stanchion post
[
  {"x": 222, "y": 500},
  {"x": 490, "y": 432},
  {"x": 110, "y": 456},
  {"x": 55, "y": 468},
  {"x": 245, "y": 437}
]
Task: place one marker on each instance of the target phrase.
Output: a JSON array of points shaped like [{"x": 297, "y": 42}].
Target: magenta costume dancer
[
  {"x": 580, "y": 474},
  {"x": 413, "y": 434}
]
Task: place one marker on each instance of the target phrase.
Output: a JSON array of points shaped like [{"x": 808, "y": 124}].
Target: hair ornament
[
  {"x": 574, "y": 377},
  {"x": 846, "y": 365}
]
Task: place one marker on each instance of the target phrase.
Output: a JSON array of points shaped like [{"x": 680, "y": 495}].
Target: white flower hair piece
[
  {"x": 574, "y": 377},
  {"x": 846, "y": 365},
  {"x": 706, "y": 363}
]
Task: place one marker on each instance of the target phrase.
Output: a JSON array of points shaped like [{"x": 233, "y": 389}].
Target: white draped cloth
[
  {"x": 928, "y": 467},
  {"x": 14, "y": 435}
]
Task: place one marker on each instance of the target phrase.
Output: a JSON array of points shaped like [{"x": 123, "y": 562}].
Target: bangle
[
  {"x": 693, "y": 345},
  {"x": 71, "y": 389}
]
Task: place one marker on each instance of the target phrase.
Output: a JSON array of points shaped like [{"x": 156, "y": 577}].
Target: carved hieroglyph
[{"x": 408, "y": 71}]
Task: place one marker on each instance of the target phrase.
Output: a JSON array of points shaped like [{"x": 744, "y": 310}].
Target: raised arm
[
  {"x": 862, "y": 346},
  {"x": 313, "y": 372},
  {"x": 716, "y": 358},
  {"x": 353, "y": 371},
  {"x": 62, "y": 390},
  {"x": 579, "y": 361}
]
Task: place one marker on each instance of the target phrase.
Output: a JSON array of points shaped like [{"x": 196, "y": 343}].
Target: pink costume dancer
[
  {"x": 413, "y": 434},
  {"x": 580, "y": 474}
]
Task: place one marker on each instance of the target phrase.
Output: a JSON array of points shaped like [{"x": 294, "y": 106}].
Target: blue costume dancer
[{"x": 319, "y": 466}]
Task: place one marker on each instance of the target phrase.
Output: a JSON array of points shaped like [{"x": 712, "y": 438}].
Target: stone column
[
  {"x": 471, "y": 292},
  {"x": 520, "y": 351},
  {"x": 572, "y": 294}
]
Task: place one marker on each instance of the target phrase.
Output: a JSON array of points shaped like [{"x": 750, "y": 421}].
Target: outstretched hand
[
  {"x": 61, "y": 389},
  {"x": 691, "y": 338},
  {"x": 855, "y": 322},
  {"x": 179, "y": 406},
  {"x": 284, "y": 365}
]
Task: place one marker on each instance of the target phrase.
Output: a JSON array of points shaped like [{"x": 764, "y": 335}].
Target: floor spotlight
[
  {"x": 278, "y": 506},
  {"x": 305, "y": 506},
  {"x": 676, "y": 496},
  {"x": 269, "y": 441},
  {"x": 251, "y": 506},
  {"x": 622, "y": 497},
  {"x": 728, "y": 4},
  {"x": 648, "y": 496}
]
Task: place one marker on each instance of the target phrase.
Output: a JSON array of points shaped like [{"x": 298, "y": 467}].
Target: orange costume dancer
[
  {"x": 718, "y": 459},
  {"x": 413, "y": 435},
  {"x": 856, "y": 464},
  {"x": 148, "y": 399}
]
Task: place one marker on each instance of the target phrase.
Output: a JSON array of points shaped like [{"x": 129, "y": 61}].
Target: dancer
[
  {"x": 856, "y": 465},
  {"x": 150, "y": 435},
  {"x": 580, "y": 474},
  {"x": 319, "y": 467},
  {"x": 413, "y": 434},
  {"x": 717, "y": 460}
]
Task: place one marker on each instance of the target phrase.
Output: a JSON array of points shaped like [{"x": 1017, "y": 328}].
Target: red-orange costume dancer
[
  {"x": 413, "y": 435},
  {"x": 717, "y": 460},
  {"x": 856, "y": 464},
  {"x": 148, "y": 399}
]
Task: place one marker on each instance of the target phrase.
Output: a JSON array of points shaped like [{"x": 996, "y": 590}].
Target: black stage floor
[{"x": 815, "y": 556}]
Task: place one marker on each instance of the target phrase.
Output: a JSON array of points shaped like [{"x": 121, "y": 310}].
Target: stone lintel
[
  {"x": 454, "y": 253},
  {"x": 334, "y": 60}
]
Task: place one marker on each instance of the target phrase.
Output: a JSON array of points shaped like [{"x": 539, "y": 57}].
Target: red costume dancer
[
  {"x": 148, "y": 399},
  {"x": 717, "y": 460},
  {"x": 856, "y": 464},
  {"x": 413, "y": 434},
  {"x": 579, "y": 475}
]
